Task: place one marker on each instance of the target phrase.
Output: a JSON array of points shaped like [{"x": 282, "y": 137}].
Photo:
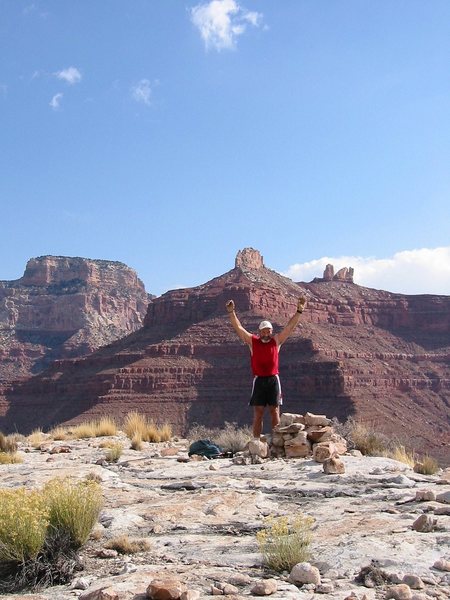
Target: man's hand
[
  {"x": 230, "y": 306},
  {"x": 301, "y": 304}
]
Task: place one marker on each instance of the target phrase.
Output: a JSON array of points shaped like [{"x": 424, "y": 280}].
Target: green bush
[
  {"x": 114, "y": 452},
  {"x": 284, "y": 542},
  {"x": 24, "y": 520},
  {"x": 73, "y": 507},
  {"x": 230, "y": 438}
]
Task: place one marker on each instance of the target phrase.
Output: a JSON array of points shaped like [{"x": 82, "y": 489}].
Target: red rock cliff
[
  {"x": 383, "y": 358},
  {"x": 65, "y": 307}
]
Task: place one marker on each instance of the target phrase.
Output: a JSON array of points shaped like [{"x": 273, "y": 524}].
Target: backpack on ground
[{"x": 205, "y": 448}]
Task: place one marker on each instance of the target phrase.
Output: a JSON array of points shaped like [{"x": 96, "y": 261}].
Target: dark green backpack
[{"x": 205, "y": 448}]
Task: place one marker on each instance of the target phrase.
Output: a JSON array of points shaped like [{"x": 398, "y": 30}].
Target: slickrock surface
[
  {"x": 65, "y": 307},
  {"x": 383, "y": 358},
  {"x": 201, "y": 518}
]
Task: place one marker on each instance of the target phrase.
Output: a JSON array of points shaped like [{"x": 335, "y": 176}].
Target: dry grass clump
[
  {"x": 230, "y": 438},
  {"x": 106, "y": 426},
  {"x": 36, "y": 437},
  {"x": 83, "y": 430},
  {"x": 136, "y": 425},
  {"x": 114, "y": 452},
  {"x": 7, "y": 443},
  {"x": 59, "y": 433},
  {"x": 124, "y": 545},
  {"x": 73, "y": 507},
  {"x": 402, "y": 455},
  {"x": 24, "y": 520},
  {"x": 363, "y": 437},
  {"x": 426, "y": 466},
  {"x": 136, "y": 441},
  {"x": 41, "y": 530},
  {"x": 10, "y": 458},
  {"x": 284, "y": 542}
]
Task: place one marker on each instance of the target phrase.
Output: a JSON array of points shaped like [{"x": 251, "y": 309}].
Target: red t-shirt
[{"x": 264, "y": 357}]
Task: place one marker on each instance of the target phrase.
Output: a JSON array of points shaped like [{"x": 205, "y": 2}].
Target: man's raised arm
[
  {"x": 293, "y": 322},
  {"x": 243, "y": 334}
]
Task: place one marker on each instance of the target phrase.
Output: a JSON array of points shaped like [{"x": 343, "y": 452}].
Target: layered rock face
[
  {"x": 65, "y": 307},
  {"x": 380, "y": 357}
]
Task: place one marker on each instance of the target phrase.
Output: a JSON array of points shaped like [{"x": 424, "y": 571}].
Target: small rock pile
[{"x": 301, "y": 436}]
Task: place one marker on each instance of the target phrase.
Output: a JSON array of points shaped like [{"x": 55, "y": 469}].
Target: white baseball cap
[{"x": 265, "y": 325}]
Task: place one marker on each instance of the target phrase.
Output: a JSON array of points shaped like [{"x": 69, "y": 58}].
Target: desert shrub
[
  {"x": 41, "y": 530},
  {"x": 284, "y": 542},
  {"x": 136, "y": 441},
  {"x": 401, "y": 454},
  {"x": 135, "y": 422},
  {"x": 165, "y": 431},
  {"x": 124, "y": 545},
  {"x": 36, "y": 437},
  {"x": 7, "y": 443},
  {"x": 73, "y": 507},
  {"x": 114, "y": 452},
  {"x": 58, "y": 433},
  {"x": 152, "y": 433},
  {"x": 363, "y": 437},
  {"x": 136, "y": 425},
  {"x": 92, "y": 476},
  {"x": 230, "y": 438},
  {"x": 84, "y": 430},
  {"x": 233, "y": 438},
  {"x": 426, "y": 466},
  {"x": 105, "y": 426},
  {"x": 24, "y": 519},
  {"x": 9, "y": 458}
]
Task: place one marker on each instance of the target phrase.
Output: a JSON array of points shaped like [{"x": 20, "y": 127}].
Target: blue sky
[{"x": 168, "y": 135}]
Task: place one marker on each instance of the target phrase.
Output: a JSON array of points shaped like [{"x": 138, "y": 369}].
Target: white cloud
[
  {"x": 3, "y": 90},
  {"x": 56, "y": 101},
  {"x": 142, "y": 92},
  {"x": 71, "y": 75},
  {"x": 421, "y": 271},
  {"x": 220, "y": 22}
]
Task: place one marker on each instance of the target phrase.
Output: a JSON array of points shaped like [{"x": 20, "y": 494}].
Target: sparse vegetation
[
  {"x": 106, "y": 426},
  {"x": 136, "y": 425},
  {"x": 7, "y": 443},
  {"x": 363, "y": 437},
  {"x": 284, "y": 542},
  {"x": 36, "y": 437},
  {"x": 426, "y": 466},
  {"x": 136, "y": 441},
  {"x": 24, "y": 520},
  {"x": 9, "y": 458},
  {"x": 401, "y": 454},
  {"x": 114, "y": 452},
  {"x": 124, "y": 545},
  {"x": 58, "y": 433},
  {"x": 73, "y": 507},
  {"x": 230, "y": 438},
  {"x": 41, "y": 530}
]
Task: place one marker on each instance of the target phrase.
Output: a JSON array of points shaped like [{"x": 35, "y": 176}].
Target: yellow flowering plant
[{"x": 284, "y": 541}]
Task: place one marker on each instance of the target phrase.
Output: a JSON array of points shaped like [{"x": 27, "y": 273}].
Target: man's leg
[
  {"x": 274, "y": 415},
  {"x": 258, "y": 415}
]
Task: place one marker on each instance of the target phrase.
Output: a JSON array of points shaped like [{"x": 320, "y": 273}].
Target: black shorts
[{"x": 266, "y": 391}]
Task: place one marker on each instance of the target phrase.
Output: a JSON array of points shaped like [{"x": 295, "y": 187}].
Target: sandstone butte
[{"x": 380, "y": 357}]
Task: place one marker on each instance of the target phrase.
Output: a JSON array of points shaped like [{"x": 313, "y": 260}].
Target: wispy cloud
[
  {"x": 221, "y": 22},
  {"x": 55, "y": 102},
  {"x": 421, "y": 271},
  {"x": 71, "y": 75},
  {"x": 3, "y": 90},
  {"x": 142, "y": 92}
]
